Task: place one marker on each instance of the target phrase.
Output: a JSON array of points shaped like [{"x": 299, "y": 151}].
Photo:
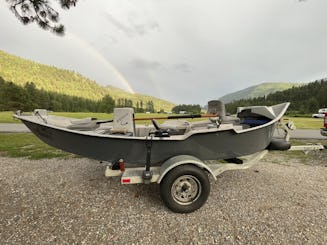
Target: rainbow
[{"x": 96, "y": 54}]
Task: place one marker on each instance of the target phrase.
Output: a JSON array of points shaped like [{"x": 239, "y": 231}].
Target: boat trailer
[{"x": 183, "y": 179}]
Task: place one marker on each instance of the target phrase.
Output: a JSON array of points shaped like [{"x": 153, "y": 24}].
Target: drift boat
[
  {"x": 174, "y": 153},
  {"x": 219, "y": 137}
]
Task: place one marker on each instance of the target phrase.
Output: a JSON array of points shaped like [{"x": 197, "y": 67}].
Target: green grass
[
  {"x": 306, "y": 122},
  {"x": 6, "y": 117},
  {"x": 28, "y": 145},
  {"x": 84, "y": 115}
]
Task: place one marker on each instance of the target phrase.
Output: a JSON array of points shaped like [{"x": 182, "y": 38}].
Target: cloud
[
  {"x": 133, "y": 27},
  {"x": 143, "y": 29},
  {"x": 183, "y": 67},
  {"x": 208, "y": 48},
  {"x": 119, "y": 25},
  {"x": 143, "y": 64}
]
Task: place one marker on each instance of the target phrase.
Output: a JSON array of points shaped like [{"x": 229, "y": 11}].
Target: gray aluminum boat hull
[
  {"x": 209, "y": 145},
  {"x": 205, "y": 146}
]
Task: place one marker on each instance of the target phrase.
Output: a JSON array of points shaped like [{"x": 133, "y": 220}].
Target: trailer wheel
[{"x": 185, "y": 188}]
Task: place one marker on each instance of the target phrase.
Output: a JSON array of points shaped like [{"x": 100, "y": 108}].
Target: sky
[{"x": 184, "y": 51}]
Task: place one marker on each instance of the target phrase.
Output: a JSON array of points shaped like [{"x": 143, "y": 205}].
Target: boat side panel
[
  {"x": 205, "y": 146},
  {"x": 91, "y": 146},
  {"x": 219, "y": 145}
]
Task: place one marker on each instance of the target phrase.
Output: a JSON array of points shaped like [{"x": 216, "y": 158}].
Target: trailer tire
[{"x": 185, "y": 188}]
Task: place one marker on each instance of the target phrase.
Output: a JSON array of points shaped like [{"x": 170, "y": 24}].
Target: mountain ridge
[{"x": 262, "y": 89}]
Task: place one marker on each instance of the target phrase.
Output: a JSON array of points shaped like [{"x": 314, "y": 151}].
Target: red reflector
[
  {"x": 126, "y": 180},
  {"x": 325, "y": 121}
]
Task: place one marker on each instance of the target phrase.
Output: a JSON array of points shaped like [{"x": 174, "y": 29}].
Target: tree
[
  {"x": 13, "y": 97},
  {"x": 107, "y": 104},
  {"x": 2, "y": 94},
  {"x": 139, "y": 107},
  {"x": 32, "y": 95},
  {"x": 40, "y": 12},
  {"x": 313, "y": 105},
  {"x": 150, "y": 106}
]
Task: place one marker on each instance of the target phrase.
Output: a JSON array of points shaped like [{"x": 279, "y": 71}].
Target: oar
[
  {"x": 177, "y": 117},
  {"x": 103, "y": 121},
  {"x": 167, "y": 117}
]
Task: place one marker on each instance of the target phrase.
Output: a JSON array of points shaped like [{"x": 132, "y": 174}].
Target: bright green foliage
[{"x": 51, "y": 79}]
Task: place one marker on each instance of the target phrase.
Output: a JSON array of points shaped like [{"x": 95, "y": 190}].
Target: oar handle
[{"x": 177, "y": 117}]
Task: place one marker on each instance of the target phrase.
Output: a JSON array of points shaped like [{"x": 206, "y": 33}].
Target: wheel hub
[{"x": 186, "y": 189}]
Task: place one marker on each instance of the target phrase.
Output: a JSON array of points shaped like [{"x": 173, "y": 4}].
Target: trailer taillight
[
  {"x": 325, "y": 121},
  {"x": 126, "y": 181}
]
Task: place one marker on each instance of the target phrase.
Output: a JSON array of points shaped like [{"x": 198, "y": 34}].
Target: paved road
[
  {"x": 302, "y": 134},
  {"x": 13, "y": 128},
  {"x": 296, "y": 134}
]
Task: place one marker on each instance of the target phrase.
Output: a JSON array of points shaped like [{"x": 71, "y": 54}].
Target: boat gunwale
[{"x": 171, "y": 138}]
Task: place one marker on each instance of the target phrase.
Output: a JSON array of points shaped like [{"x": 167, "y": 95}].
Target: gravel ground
[{"x": 281, "y": 201}]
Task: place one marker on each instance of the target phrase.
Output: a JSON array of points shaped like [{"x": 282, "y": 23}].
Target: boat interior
[{"x": 123, "y": 122}]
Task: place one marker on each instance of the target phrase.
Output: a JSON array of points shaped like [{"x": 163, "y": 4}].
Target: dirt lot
[{"x": 281, "y": 201}]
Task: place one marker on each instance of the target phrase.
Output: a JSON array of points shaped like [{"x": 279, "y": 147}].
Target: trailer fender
[{"x": 182, "y": 160}]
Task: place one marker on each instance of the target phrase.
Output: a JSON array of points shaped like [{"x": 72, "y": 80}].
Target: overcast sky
[{"x": 185, "y": 51}]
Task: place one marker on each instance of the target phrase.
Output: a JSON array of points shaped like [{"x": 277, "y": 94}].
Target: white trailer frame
[
  {"x": 177, "y": 188},
  {"x": 134, "y": 175}
]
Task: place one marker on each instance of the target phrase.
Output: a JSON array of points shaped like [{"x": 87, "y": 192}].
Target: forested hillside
[
  {"x": 305, "y": 99},
  {"x": 27, "y": 98},
  {"x": 259, "y": 90},
  {"x": 48, "y": 78}
]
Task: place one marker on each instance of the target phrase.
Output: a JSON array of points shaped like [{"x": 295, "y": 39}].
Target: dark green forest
[
  {"x": 190, "y": 109},
  {"x": 27, "y": 98},
  {"x": 305, "y": 99}
]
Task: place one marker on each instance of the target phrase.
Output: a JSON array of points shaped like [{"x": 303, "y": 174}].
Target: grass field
[
  {"x": 300, "y": 122},
  {"x": 305, "y": 122},
  {"x": 27, "y": 145},
  {"x": 6, "y": 117}
]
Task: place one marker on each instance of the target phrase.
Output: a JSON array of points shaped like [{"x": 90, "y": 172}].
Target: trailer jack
[{"x": 147, "y": 173}]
